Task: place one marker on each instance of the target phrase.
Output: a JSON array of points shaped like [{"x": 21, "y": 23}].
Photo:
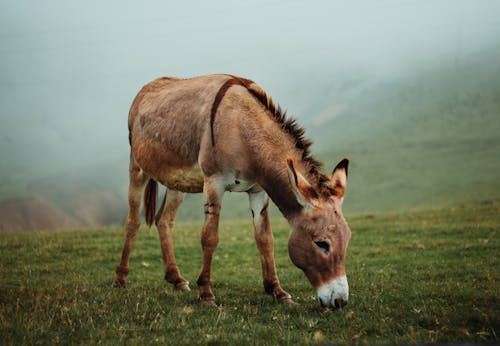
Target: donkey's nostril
[{"x": 340, "y": 303}]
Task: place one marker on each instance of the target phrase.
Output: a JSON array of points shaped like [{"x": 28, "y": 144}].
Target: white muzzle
[{"x": 335, "y": 293}]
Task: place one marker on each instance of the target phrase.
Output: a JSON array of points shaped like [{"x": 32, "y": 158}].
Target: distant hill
[
  {"x": 33, "y": 214},
  {"x": 428, "y": 139},
  {"x": 93, "y": 195}
]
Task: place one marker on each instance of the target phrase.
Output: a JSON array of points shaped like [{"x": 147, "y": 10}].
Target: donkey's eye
[{"x": 323, "y": 245}]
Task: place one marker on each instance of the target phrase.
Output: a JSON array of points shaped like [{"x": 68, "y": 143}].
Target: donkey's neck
[
  {"x": 271, "y": 139},
  {"x": 277, "y": 185}
]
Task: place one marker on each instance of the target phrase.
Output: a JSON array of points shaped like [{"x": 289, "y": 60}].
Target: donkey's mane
[{"x": 288, "y": 124}]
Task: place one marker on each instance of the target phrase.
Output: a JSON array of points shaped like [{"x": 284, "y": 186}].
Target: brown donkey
[{"x": 220, "y": 133}]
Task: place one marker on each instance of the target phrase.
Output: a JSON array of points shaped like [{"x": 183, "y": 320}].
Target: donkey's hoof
[
  {"x": 283, "y": 297},
  {"x": 287, "y": 301},
  {"x": 119, "y": 283},
  {"x": 207, "y": 302},
  {"x": 183, "y": 286}
]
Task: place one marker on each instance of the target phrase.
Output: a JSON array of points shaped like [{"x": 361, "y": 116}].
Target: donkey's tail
[{"x": 150, "y": 199}]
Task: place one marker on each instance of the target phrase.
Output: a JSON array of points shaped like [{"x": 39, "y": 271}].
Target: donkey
[{"x": 220, "y": 133}]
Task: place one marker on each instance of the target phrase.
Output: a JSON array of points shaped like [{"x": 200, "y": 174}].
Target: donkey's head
[{"x": 320, "y": 235}]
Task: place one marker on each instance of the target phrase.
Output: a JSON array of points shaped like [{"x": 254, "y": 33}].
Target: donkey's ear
[
  {"x": 339, "y": 178},
  {"x": 301, "y": 188}
]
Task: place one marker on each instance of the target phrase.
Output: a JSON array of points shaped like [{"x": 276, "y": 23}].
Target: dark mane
[{"x": 288, "y": 124}]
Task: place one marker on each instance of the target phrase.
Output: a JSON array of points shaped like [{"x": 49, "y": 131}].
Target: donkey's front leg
[
  {"x": 259, "y": 204},
  {"x": 213, "y": 190}
]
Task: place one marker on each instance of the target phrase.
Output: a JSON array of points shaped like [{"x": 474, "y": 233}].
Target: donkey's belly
[
  {"x": 191, "y": 180},
  {"x": 168, "y": 167},
  {"x": 183, "y": 179}
]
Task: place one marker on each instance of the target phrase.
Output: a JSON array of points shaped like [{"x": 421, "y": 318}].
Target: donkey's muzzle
[{"x": 334, "y": 294}]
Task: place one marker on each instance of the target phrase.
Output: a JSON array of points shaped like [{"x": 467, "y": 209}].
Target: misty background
[{"x": 409, "y": 90}]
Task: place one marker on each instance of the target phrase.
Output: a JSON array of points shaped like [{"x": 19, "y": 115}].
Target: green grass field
[{"x": 415, "y": 277}]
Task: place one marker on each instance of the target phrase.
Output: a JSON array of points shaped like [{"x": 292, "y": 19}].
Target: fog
[{"x": 69, "y": 70}]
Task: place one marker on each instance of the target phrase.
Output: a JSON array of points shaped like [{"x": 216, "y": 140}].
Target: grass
[{"x": 415, "y": 277}]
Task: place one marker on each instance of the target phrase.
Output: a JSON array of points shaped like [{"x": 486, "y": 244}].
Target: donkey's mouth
[
  {"x": 337, "y": 303},
  {"x": 334, "y": 294}
]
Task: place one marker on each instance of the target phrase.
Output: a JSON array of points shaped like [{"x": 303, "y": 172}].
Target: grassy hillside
[
  {"x": 429, "y": 140},
  {"x": 415, "y": 277}
]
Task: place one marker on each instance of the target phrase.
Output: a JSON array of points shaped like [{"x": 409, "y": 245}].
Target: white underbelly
[{"x": 238, "y": 185}]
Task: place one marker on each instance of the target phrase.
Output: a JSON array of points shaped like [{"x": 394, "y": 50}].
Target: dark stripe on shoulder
[{"x": 220, "y": 95}]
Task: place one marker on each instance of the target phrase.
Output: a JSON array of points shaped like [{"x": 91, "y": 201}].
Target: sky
[{"x": 69, "y": 70}]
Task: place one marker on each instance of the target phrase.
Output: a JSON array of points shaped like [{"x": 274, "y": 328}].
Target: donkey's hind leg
[
  {"x": 259, "y": 205},
  {"x": 165, "y": 224},
  {"x": 135, "y": 191}
]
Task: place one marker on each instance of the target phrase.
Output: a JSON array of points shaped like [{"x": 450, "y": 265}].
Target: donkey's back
[{"x": 168, "y": 121}]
